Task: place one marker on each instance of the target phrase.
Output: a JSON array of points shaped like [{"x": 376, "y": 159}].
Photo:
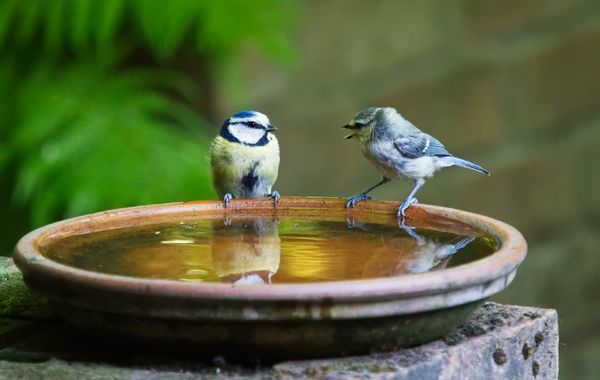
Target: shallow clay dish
[{"x": 280, "y": 320}]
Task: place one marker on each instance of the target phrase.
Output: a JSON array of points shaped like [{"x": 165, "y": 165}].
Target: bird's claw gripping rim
[
  {"x": 276, "y": 197},
  {"x": 353, "y": 200},
  {"x": 404, "y": 206},
  {"x": 226, "y": 199}
]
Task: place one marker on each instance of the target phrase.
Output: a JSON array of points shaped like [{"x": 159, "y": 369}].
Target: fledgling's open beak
[
  {"x": 348, "y": 126},
  {"x": 271, "y": 128}
]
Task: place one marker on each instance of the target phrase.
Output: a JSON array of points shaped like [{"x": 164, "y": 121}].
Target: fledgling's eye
[{"x": 358, "y": 125}]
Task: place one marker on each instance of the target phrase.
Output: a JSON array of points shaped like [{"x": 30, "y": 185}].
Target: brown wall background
[{"x": 511, "y": 85}]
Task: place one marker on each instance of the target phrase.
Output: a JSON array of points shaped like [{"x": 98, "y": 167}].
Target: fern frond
[{"x": 98, "y": 142}]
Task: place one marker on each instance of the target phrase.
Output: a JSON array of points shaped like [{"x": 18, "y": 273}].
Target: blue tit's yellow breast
[{"x": 231, "y": 162}]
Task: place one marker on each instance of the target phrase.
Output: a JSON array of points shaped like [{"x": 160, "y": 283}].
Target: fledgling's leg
[
  {"x": 354, "y": 199},
  {"x": 411, "y": 231},
  {"x": 275, "y": 195},
  {"x": 410, "y": 200},
  {"x": 226, "y": 199}
]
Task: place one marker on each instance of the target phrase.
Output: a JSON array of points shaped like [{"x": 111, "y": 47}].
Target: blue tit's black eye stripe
[{"x": 252, "y": 124}]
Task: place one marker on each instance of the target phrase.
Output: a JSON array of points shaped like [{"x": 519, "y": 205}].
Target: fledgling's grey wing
[{"x": 419, "y": 145}]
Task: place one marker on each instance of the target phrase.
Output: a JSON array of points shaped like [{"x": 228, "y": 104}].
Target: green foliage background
[{"x": 99, "y": 99}]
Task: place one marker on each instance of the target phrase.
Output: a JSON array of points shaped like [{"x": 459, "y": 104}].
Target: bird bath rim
[{"x": 413, "y": 293}]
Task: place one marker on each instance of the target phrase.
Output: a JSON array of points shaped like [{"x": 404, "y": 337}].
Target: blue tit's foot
[
  {"x": 276, "y": 197},
  {"x": 354, "y": 199},
  {"x": 405, "y": 205},
  {"x": 353, "y": 223},
  {"x": 226, "y": 199}
]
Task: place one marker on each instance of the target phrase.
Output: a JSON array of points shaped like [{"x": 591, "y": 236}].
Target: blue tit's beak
[{"x": 271, "y": 128}]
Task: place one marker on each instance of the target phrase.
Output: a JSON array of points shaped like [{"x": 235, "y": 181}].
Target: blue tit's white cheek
[{"x": 245, "y": 134}]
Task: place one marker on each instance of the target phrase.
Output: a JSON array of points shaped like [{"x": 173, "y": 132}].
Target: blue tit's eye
[{"x": 252, "y": 124}]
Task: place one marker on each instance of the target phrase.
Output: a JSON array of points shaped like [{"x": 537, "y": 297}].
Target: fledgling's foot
[
  {"x": 354, "y": 199},
  {"x": 226, "y": 199},
  {"x": 405, "y": 205},
  {"x": 410, "y": 230},
  {"x": 276, "y": 197}
]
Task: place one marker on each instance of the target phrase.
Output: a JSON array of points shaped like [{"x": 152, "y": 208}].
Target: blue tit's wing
[{"x": 419, "y": 145}]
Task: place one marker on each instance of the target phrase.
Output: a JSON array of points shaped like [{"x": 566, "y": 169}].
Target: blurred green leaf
[
  {"x": 80, "y": 25},
  {"x": 106, "y": 21},
  {"x": 164, "y": 26},
  {"x": 54, "y": 20},
  {"x": 26, "y": 18},
  {"x": 99, "y": 143},
  {"x": 7, "y": 10}
]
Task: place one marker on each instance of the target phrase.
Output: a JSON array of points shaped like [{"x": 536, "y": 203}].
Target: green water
[{"x": 264, "y": 250}]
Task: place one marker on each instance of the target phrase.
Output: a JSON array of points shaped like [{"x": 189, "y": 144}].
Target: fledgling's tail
[
  {"x": 448, "y": 250},
  {"x": 466, "y": 164}
]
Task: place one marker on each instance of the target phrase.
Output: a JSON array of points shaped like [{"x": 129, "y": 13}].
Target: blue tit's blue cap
[
  {"x": 243, "y": 114},
  {"x": 250, "y": 116}
]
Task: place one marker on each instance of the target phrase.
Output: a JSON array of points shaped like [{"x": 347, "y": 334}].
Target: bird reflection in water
[
  {"x": 246, "y": 251},
  {"x": 260, "y": 250},
  {"x": 411, "y": 254}
]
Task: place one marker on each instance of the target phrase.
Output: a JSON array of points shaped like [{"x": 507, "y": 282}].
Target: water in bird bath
[{"x": 259, "y": 250}]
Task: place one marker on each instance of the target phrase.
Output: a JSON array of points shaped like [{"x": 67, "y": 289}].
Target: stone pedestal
[{"x": 497, "y": 342}]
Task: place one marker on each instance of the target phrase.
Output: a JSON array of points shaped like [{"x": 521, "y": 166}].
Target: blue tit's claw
[
  {"x": 276, "y": 197},
  {"x": 353, "y": 200},
  {"x": 351, "y": 222},
  {"x": 226, "y": 199}
]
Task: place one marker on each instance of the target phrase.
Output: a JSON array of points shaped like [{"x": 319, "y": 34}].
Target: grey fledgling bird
[{"x": 399, "y": 150}]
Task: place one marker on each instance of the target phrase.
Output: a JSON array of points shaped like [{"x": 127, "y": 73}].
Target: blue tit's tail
[{"x": 465, "y": 164}]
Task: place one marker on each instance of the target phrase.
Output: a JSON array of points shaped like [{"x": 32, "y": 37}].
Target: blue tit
[
  {"x": 246, "y": 251},
  {"x": 399, "y": 150},
  {"x": 245, "y": 158}
]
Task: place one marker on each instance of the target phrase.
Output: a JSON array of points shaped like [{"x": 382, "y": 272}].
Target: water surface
[{"x": 267, "y": 250}]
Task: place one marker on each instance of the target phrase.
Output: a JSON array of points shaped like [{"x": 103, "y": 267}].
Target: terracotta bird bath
[{"x": 251, "y": 292}]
